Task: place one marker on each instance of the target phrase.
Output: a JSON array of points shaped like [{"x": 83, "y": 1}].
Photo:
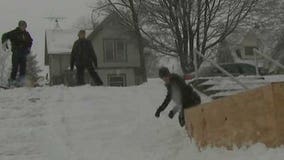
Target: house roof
[
  {"x": 239, "y": 36},
  {"x": 106, "y": 20},
  {"x": 61, "y": 41}
]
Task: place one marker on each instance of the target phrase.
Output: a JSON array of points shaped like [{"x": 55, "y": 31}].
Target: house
[
  {"x": 239, "y": 47},
  {"x": 116, "y": 48}
]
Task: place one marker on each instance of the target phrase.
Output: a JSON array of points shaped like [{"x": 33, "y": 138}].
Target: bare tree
[
  {"x": 268, "y": 14},
  {"x": 224, "y": 54},
  {"x": 152, "y": 64},
  {"x": 84, "y": 23},
  {"x": 179, "y": 27},
  {"x": 186, "y": 25}
]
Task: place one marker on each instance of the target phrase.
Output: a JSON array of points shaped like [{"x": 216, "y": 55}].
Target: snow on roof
[{"x": 61, "y": 41}]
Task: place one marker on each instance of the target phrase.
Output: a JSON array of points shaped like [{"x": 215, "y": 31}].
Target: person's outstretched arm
[
  {"x": 165, "y": 103},
  {"x": 6, "y": 36}
]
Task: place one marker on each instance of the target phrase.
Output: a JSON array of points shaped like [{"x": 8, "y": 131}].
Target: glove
[
  {"x": 171, "y": 115},
  {"x": 157, "y": 114}
]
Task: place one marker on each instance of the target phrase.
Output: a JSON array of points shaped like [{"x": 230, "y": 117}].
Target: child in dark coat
[{"x": 177, "y": 90}]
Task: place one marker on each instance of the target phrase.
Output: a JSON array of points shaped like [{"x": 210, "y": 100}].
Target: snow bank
[{"x": 87, "y": 123}]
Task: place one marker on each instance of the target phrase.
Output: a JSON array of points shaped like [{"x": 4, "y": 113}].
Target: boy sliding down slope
[{"x": 177, "y": 90}]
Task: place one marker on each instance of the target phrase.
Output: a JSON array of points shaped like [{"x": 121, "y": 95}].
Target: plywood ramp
[{"x": 255, "y": 116}]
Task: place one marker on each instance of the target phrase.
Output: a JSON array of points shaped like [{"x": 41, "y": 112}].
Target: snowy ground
[{"x": 99, "y": 123}]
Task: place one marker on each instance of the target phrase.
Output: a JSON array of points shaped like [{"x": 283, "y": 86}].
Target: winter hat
[
  {"x": 22, "y": 23},
  {"x": 163, "y": 72},
  {"x": 81, "y": 32}
]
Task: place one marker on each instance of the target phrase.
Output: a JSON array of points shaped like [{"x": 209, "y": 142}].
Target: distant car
[{"x": 236, "y": 69}]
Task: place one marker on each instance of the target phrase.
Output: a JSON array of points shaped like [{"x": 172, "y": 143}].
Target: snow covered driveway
[{"x": 100, "y": 123}]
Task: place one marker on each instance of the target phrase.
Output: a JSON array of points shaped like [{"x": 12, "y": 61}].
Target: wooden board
[{"x": 250, "y": 117}]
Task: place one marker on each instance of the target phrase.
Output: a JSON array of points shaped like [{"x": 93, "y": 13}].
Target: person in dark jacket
[
  {"x": 177, "y": 90},
  {"x": 21, "y": 43},
  {"x": 83, "y": 57}
]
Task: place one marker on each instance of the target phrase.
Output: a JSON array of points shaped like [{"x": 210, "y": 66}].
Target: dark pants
[
  {"x": 80, "y": 75},
  {"x": 19, "y": 61}
]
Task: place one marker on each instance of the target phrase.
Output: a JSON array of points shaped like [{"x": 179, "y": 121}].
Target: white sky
[{"x": 34, "y": 11}]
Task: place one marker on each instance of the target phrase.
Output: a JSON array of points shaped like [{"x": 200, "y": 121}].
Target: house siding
[
  {"x": 116, "y": 32},
  {"x": 59, "y": 63},
  {"x": 130, "y": 75},
  {"x": 250, "y": 40}
]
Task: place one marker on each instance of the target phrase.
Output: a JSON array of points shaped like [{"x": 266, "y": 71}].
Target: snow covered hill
[{"x": 100, "y": 123}]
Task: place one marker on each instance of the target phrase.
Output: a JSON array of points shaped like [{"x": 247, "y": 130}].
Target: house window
[
  {"x": 249, "y": 51},
  {"x": 117, "y": 80},
  {"x": 115, "y": 50}
]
